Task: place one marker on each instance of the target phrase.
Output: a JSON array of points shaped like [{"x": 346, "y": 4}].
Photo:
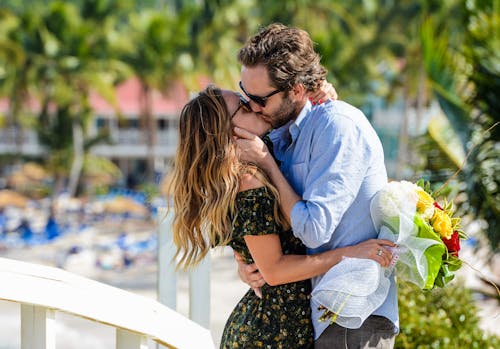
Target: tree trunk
[
  {"x": 78, "y": 157},
  {"x": 421, "y": 97},
  {"x": 15, "y": 103},
  {"x": 403, "y": 136},
  {"x": 149, "y": 129}
]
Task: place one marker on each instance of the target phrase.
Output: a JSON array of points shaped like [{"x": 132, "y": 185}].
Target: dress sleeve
[{"x": 255, "y": 213}]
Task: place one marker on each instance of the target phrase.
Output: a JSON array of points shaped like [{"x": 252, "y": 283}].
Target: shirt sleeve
[{"x": 337, "y": 166}]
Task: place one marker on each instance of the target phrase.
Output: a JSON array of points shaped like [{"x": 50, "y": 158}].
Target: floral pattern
[{"x": 282, "y": 318}]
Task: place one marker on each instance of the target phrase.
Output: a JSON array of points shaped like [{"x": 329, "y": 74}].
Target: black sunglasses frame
[
  {"x": 260, "y": 100},
  {"x": 242, "y": 103}
]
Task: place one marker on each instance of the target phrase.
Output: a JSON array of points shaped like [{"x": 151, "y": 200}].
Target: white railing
[
  {"x": 199, "y": 277},
  {"x": 43, "y": 290}
]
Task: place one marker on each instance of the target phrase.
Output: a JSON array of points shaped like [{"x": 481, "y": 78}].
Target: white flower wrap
[{"x": 355, "y": 288}]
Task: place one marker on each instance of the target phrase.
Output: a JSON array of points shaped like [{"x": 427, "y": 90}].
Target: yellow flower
[
  {"x": 424, "y": 201},
  {"x": 441, "y": 223},
  {"x": 425, "y": 204}
]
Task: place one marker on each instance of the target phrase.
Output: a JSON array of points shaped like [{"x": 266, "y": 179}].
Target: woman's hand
[
  {"x": 251, "y": 148},
  {"x": 325, "y": 92},
  {"x": 250, "y": 275},
  {"x": 377, "y": 249}
]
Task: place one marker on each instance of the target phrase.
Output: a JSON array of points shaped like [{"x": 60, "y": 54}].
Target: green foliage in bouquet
[
  {"x": 434, "y": 254},
  {"x": 441, "y": 318}
]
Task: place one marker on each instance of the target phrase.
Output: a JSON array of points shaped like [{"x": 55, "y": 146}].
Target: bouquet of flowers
[
  {"x": 425, "y": 230},
  {"x": 427, "y": 236}
]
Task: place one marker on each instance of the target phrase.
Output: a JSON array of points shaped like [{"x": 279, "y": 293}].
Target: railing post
[
  {"x": 199, "y": 293},
  {"x": 37, "y": 327},
  {"x": 199, "y": 277},
  {"x": 130, "y": 340},
  {"x": 167, "y": 277}
]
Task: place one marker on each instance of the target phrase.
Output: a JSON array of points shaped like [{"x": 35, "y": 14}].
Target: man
[{"x": 332, "y": 164}]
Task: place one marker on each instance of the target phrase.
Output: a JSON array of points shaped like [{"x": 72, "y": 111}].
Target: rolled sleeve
[{"x": 308, "y": 225}]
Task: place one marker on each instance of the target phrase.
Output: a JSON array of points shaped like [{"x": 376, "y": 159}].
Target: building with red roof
[{"x": 127, "y": 147}]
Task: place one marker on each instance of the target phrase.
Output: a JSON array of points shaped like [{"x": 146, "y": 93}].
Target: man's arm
[{"x": 338, "y": 163}]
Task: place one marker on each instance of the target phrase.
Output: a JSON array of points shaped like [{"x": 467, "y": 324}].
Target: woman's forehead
[
  {"x": 230, "y": 96},
  {"x": 232, "y": 100}
]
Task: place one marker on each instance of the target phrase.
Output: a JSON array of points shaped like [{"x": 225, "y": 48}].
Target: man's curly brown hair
[{"x": 288, "y": 53}]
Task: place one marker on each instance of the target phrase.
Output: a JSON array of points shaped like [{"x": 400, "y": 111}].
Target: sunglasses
[
  {"x": 260, "y": 100},
  {"x": 242, "y": 104}
]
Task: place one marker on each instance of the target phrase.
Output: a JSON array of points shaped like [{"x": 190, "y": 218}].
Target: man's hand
[
  {"x": 250, "y": 275},
  {"x": 251, "y": 148}
]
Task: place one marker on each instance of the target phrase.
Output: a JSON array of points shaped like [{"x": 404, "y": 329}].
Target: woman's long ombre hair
[{"x": 205, "y": 178}]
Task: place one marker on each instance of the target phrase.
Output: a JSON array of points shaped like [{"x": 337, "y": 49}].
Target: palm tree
[
  {"x": 218, "y": 29},
  {"x": 157, "y": 41},
  {"x": 14, "y": 63},
  {"x": 67, "y": 57}
]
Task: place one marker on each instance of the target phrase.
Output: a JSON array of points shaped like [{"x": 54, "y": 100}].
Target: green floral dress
[{"x": 282, "y": 318}]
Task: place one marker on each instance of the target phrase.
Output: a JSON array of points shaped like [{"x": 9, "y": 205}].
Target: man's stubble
[{"x": 286, "y": 111}]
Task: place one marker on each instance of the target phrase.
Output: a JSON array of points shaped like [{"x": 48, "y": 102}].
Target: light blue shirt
[{"x": 333, "y": 158}]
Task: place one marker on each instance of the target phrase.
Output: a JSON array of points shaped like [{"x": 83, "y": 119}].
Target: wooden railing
[{"x": 41, "y": 291}]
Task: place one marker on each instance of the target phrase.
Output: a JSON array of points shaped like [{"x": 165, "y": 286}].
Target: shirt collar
[
  {"x": 296, "y": 125},
  {"x": 305, "y": 110},
  {"x": 283, "y": 136},
  {"x": 280, "y": 132}
]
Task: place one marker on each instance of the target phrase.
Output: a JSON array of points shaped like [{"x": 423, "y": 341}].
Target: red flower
[
  {"x": 453, "y": 244},
  {"x": 437, "y": 205}
]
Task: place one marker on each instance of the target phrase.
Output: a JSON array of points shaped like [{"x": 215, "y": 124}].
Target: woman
[{"x": 220, "y": 201}]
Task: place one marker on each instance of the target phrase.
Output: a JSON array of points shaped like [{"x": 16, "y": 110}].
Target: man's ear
[{"x": 298, "y": 92}]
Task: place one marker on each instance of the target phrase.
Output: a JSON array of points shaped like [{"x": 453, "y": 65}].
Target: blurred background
[{"x": 91, "y": 91}]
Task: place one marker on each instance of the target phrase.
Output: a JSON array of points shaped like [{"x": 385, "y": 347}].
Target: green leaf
[{"x": 433, "y": 254}]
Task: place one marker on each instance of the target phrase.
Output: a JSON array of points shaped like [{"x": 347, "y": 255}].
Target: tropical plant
[
  {"x": 463, "y": 78},
  {"x": 218, "y": 30},
  {"x": 452, "y": 322},
  {"x": 14, "y": 82}
]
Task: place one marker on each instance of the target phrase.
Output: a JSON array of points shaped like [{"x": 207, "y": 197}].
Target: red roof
[{"x": 128, "y": 98}]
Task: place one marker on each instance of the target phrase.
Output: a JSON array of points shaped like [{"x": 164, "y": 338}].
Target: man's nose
[{"x": 256, "y": 108}]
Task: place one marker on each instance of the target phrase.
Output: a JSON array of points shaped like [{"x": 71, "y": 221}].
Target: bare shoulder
[{"x": 249, "y": 181}]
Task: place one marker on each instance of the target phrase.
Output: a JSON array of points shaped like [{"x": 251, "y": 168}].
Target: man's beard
[{"x": 286, "y": 111}]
